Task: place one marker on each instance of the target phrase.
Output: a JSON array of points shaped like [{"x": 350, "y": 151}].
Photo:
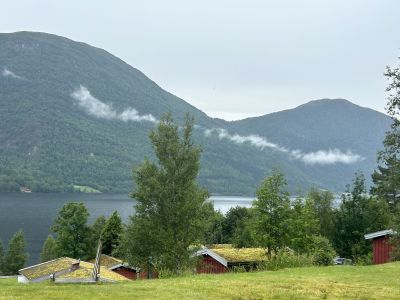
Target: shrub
[
  {"x": 286, "y": 259},
  {"x": 239, "y": 269},
  {"x": 364, "y": 260},
  {"x": 166, "y": 273}
]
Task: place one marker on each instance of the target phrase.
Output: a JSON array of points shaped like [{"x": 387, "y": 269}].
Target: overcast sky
[{"x": 234, "y": 59}]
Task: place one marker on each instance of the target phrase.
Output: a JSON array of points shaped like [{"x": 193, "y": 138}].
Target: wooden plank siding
[
  {"x": 381, "y": 250},
  {"x": 209, "y": 265},
  {"x": 128, "y": 273}
]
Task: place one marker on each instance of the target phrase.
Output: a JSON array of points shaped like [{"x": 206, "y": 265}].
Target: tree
[
  {"x": 1, "y": 257},
  {"x": 234, "y": 221},
  {"x": 171, "y": 207},
  {"x": 111, "y": 234},
  {"x": 213, "y": 223},
  {"x": 49, "y": 250},
  {"x": 243, "y": 235},
  {"x": 395, "y": 238},
  {"x": 387, "y": 177},
  {"x": 16, "y": 256},
  {"x": 322, "y": 203},
  {"x": 72, "y": 232},
  {"x": 303, "y": 225},
  {"x": 358, "y": 214},
  {"x": 95, "y": 234},
  {"x": 272, "y": 212},
  {"x": 322, "y": 251}
]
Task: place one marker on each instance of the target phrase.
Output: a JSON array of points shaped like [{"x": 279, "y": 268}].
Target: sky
[{"x": 235, "y": 59}]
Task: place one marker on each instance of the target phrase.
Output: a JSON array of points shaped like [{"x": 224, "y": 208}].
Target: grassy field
[{"x": 336, "y": 282}]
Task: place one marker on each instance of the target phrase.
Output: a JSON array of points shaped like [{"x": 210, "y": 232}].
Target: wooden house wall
[
  {"x": 209, "y": 265},
  {"x": 128, "y": 273},
  {"x": 381, "y": 250}
]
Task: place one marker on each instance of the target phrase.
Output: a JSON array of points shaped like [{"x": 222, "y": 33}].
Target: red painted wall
[
  {"x": 381, "y": 250},
  {"x": 128, "y": 273},
  {"x": 209, "y": 265},
  {"x": 143, "y": 274},
  {"x": 131, "y": 274}
]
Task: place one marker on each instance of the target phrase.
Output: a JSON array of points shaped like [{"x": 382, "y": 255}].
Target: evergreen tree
[
  {"x": 16, "y": 256},
  {"x": 111, "y": 234},
  {"x": 72, "y": 231},
  {"x": 395, "y": 238},
  {"x": 49, "y": 250},
  {"x": 358, "y": 214},
  {"x": 1, "y": 257},
  {"x": 272, "y": 213},
  {"x": 387, "y": 177},
  {"x": 171, "y": 207}
]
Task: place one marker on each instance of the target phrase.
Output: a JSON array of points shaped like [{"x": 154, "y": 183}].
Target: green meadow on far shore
[{"x": 334, "y": 282}]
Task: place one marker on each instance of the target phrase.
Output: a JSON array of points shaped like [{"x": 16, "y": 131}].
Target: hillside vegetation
[
  {"x": 336, "y": 282},
  {"x": 75, "y": 115}
]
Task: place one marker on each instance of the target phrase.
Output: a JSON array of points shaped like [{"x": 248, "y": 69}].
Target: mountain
[
  {"x": 322, "y": 125},
  {"x": 73, "y": 116}
]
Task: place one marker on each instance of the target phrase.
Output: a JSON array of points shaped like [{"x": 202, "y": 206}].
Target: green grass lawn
[{"x": 336, "y": 282}]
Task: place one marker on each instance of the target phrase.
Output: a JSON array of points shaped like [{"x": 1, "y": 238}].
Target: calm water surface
[{"x": 34, "y": 213}]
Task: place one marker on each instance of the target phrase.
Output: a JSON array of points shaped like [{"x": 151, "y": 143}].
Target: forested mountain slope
[{"x": 72, "y": 114}]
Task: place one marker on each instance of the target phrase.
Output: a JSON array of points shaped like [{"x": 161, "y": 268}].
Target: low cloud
[
  {"x": 327, "y": 157},
  {"x": 253, "y": 139},
  {"x": 320, "y": 157},
  {"x": 7, "y": 73},
  {"x": 95, "y": 107}
]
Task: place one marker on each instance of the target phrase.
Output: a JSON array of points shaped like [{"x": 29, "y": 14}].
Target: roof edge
[
  {"x": 377, "y": 234},
  {"x": 206, "y": 251}
]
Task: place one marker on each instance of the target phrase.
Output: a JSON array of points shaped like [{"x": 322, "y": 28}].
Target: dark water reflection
[{"x": 34, "y": 213}]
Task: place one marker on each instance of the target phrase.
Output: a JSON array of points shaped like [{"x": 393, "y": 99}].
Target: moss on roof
[
  {"x": 108, "y": 261},
  {"x": 104, "y": 272},
  {"x": 80, "y": 273},
  {"x": 47, "y": 268},
  {"x": 241, "y": 254}
]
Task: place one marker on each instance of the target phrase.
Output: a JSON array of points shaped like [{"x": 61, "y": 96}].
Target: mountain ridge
[{"x": 73, "y": 114}]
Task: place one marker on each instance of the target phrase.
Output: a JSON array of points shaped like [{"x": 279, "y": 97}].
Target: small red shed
[
  {"x": 224, "y": 258},
  {"x": 381, "y": 247},
  {"x": 211, "y": 262}
]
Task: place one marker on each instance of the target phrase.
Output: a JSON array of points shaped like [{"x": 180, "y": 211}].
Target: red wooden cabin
[
  {"x": 225, "y": 258},
  {"x": 211, "y": 262},
  {"x": 381, "y": 248}
]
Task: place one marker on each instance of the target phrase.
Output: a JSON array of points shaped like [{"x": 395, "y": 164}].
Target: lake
[{"x": 34, "y": 213}]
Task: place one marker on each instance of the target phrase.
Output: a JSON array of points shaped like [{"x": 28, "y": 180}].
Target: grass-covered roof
[
  {"x": 47, "y": 268},
  {"x": 233, "y": 255},
  {"x": 108, "y": 261}
]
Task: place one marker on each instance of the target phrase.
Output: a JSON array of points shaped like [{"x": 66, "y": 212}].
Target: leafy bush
[
  {"x": 166, "y": 273},
  {"x": 364, "y": 260},
  {"x": 286, "y": 259},
  {"x": 239, "y": 269}
]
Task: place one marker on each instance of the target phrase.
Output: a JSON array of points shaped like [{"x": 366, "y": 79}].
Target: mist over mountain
[{"x": 75, "y": 115}]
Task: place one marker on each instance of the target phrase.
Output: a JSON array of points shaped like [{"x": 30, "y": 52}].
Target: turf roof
[
  {"x": 240, "y": 254},
  {"x": 47, "y": 268}
]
